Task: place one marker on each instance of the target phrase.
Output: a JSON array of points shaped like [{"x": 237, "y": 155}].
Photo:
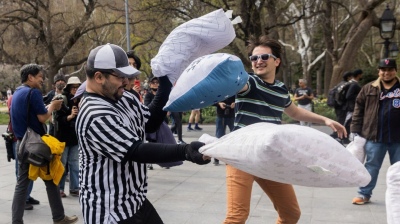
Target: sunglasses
[{"x": 263, "y": 57}]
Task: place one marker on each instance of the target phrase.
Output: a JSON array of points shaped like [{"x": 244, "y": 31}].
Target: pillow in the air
[{"x": 207, "y": 80}]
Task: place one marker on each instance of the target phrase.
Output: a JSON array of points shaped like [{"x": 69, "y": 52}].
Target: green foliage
[
  {"x": 208, "y": 115},
  {"x": 4, "y": 119}
]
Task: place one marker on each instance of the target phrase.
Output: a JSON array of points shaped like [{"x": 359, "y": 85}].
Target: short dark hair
[
  {"x": 27, "y": 69},
  {"x": 90, "y": 72},
  {"x": 347, "y": 75},
  {"x": 357, "y": 72},
  {"x": 276, "y": 47},
  {"x": 131, "y": 54}
]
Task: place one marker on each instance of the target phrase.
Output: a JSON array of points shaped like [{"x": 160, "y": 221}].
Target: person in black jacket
[
  {"x": 225, "y": 117},
  {"x": 64, "y": 129},
  {"x": 352, "y": 91}
]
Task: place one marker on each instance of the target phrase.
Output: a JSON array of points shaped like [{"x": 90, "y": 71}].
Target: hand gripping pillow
[
  {"x": 290, "y": 154},
  {"x": 207, "y": 80},
  {"x": 393, "y": 194},
  {"x": 193, "y": 39}
]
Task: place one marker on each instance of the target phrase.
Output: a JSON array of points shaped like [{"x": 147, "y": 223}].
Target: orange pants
[{"x": 239, "y": 185}]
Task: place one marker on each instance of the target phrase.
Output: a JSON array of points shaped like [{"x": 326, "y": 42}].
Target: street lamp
[
  {"x": 393, "y": 50},
  {"x": 387, "y": 25}
]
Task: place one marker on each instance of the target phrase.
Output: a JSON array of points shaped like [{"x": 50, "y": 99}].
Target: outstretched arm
[{"x": 301, "y": 114}]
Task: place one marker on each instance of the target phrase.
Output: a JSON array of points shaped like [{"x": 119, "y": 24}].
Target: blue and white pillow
[{"x": 207, "y": 80}]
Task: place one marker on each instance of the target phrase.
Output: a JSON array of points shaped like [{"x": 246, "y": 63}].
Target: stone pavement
[{"x": 192, "y": 194}]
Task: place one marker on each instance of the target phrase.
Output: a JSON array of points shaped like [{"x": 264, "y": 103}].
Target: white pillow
[
  {"x": 195, "y": 38},
  {"x": 393, "y": 194},
  {"x": 207, "y": 80},
  {"x": 356, "y": 148},
  {"x": 290, "y": 154}
]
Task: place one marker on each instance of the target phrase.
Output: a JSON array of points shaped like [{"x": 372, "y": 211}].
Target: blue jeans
[
  {"x": 71, "y": 156},
  {"x": 28, "y": 195},
  {"x": 375, "y": 153},
  {"x": 221, "y": 123}
]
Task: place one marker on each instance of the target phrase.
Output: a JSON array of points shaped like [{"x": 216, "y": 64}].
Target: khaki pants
[{"x": 239, "y": 185}]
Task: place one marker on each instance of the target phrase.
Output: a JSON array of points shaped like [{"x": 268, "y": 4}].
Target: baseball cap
[
  {"x": 111, "y": 57},
  {"x": 387, "y": 63}
]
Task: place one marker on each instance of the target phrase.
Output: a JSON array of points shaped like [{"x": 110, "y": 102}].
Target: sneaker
[
  {"x": 175, "y": 134},
  {"x": 179, "y": 142},
  {"x": 190, "y": 129},
  {"x": 62, "y": 194},
  {"x": 32, "y": 201},
  {"x": 216, "y": 162},
  {"x": 28, "y": 206},
  {"x": 150, "y": 167},
  {"x": 74, "y": 193},
  {"x": 67, "y": 220},
  {"x": 360, "y": 200},
  {"x": 198, "y": 129}
]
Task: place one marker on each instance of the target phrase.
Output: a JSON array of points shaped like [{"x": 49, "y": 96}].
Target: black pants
[{"x": 147, "y": 214}]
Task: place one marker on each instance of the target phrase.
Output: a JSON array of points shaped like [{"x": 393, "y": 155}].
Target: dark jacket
[
  {"x": 352, "y": 92},
  {"x": 365, "y": 115},
  {"x": 65, "y": 131}
]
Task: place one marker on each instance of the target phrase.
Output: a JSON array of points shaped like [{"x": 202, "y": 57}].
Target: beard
[
  {"x": 111, "y": 91},
  {"x": 388, "y": 81}
]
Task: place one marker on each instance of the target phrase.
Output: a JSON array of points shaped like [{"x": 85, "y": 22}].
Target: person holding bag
[{"x": 32, "y": 78}]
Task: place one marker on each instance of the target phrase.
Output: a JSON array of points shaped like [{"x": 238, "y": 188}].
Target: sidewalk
[{"x": 192, "y": 194}]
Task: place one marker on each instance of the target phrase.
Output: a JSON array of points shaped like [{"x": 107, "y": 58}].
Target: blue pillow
[{"x": 207, "y": 80}]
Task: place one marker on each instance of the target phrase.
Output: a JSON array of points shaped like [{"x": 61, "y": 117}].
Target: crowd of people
[{"x": 110, "y": 127}]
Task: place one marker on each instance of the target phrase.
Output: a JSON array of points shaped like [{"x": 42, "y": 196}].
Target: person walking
[
  {"x": 264, "y": 99},
  {"x": 304, "y": 96},
  {"x": 194, "y": 117},
  {"x": 27, "y": 105},
  {"x": 376, "y": 118},
  {"x": 111, "y": 127},
  {"x": 352, "y": 91},
  {"x": 225, "y": 118}
]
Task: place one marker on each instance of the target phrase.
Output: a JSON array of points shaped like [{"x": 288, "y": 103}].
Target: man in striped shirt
[
  {"x": 111, "y": 127},
  {"x": 264, "y": 99}
]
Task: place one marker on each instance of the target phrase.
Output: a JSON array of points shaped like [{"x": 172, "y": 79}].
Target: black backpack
[{"x": 337, "y": 95}]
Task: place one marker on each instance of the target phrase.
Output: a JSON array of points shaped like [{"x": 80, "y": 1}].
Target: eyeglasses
[
  {"x": 154, "y": 82},
  {"x": 117, "y": 76},
  {"x": 74, "y": 87},
  {"x": 263, "y": 57}
]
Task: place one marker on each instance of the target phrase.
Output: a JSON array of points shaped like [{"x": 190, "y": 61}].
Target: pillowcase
[
  {"x": 195, "y": 38},
  {"x": 207, "y": 80},
  {"x": 290, "y": 154},
  {"x": 392, "y": 197}
]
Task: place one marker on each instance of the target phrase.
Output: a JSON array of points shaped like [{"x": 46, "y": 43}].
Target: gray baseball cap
[{"x": 111, "y": 57}]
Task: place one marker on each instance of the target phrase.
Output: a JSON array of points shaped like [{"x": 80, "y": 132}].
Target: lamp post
[
  {"x": 387, "y": 25},
  {"x": 393, "y": 50},
  {"x": 128, "y": 39}
]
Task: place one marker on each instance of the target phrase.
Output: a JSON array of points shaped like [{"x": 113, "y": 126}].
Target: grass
[{"x": 4, "y": 119}]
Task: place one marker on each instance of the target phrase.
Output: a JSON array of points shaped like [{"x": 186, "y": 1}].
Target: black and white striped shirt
[
  {"x": 261, "y": 102},
  {"x": 111, "y": 189}
]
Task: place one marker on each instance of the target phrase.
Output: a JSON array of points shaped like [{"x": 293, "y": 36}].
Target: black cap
[
  {"x": 347, "y": 75},
  {"x": 387, "y": 63},
  {"x": 59, "y": 77}
]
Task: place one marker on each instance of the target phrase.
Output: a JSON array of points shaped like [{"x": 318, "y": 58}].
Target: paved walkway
[{"x": 192, "y": 194}]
